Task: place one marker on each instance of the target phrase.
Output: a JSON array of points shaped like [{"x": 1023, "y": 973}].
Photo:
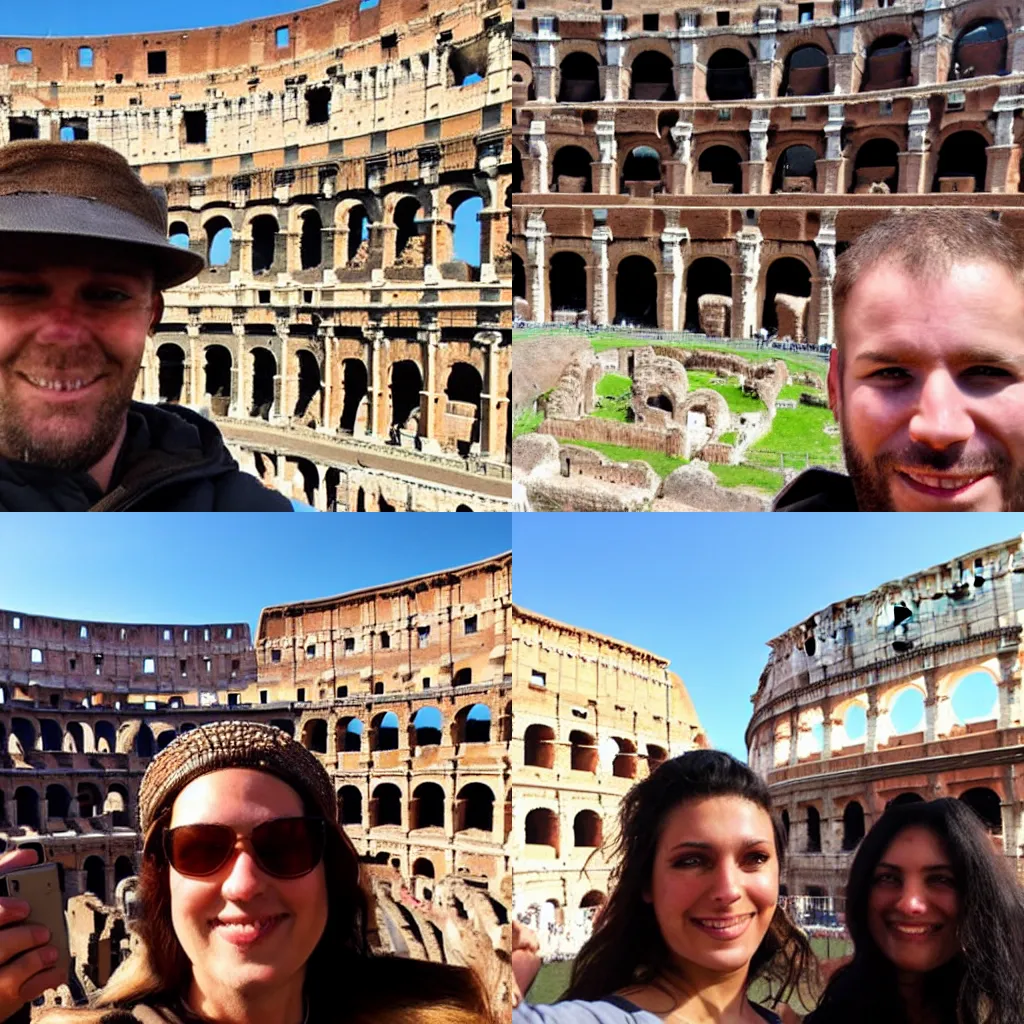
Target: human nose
[
  {"x": 912, "y": 900},
  {"x": 725, "y": 886},
  {"x": 941, "y": 417},
  {"x": 244, "y": 880}
]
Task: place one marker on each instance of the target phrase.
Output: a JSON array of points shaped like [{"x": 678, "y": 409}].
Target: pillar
[
  {"x": 601, "y": 237},
  {"x": 604, "y": 174},
  {"x": 615, "y": 79},
  {"x": 826, "y": 243},
  {"x": 1002, "y": 157},
  {"x": 671, "y": 312},
  {"x": 686, "y": 54},
  {"x": 794, "y": 737},
  {"x": 831, "y": 172},
  {"x": 914, "y": 163},
  {"x": 491, "y": 435},
  {"x": 1009, "y": 689},
  {"x": 326, "y": 336},
  {"x": 755, "y": 177},
  {"x": 871, "y": 732},
  {"x": 374, "y": 336},
  {"x": 239, "y": 377},
  {"x": 192, "y": 384},
  {"x": 428, "y": 397},
  {"x": 538, "y": 149},
  {"x": 545, "y": 79},
  {"x": 827, "y": 722},
  {"x": 678, "y": 178},
  {"x": 743, "y": 322},
  {"x": 930, "y": 706},
  {"x": 536, "y": 266}
]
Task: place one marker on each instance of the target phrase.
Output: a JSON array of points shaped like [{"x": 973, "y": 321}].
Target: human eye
[
  {"x": 757, "y": 858},
  {"x": 885, "y": 878},
  {"x": 894, "y": 374},
  {"x": 990, "y": 372},
  {"x": 12, "y": 292},
  {"x": 688, "y": 860},
  {"x": 943, "y": 880},
  {"x": 108, "y": 296}
]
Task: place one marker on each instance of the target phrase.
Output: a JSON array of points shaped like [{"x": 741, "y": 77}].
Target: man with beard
[
  {"x": 84, "y": 260},
  {"x": 927, "y": 377}
]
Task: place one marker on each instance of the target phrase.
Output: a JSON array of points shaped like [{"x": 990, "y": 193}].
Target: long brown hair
[{"x": 627, "y": 947}]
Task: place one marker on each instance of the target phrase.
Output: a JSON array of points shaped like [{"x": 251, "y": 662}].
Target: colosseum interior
[
  {"x": 345, "y": 171},
  {"x": 701, "y": 168},
  {"x": 592, "y": 715},
  {"x": 402, "y": 691},
  {"x": 826, "y": 729}
]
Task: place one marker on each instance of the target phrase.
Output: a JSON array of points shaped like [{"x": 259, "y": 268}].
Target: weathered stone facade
[
  {"x": 322, "y": 158},
  {"x": 701, "y": 169},
  {"x": 927, "y": 633},
  {"x": 592, "y": 716}
]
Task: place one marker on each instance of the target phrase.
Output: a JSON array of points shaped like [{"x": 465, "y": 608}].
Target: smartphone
[{"x": 39, "y": 886}]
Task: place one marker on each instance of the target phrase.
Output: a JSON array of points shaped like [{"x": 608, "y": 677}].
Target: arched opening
[
  {"x": 358, "y": 236},
  {"x": 709, "y": 276},
  {"x": 423, "y": 867},
  {"x": 96, "y": 878},
  {"x": 474, "y": 808},
  {"x": 642, "y": 164},
  {"x": 310, "y": 479},
  {"x": 636, "y": 292},
  {"x": 887, "y": 65},
  {"x": 567, "y": 283},
  {"x": 876, "y": 163},
  {"x": 426, "y": 727},
  {"x": 311, "y": 242},
  {"x": 651, "y": 77},
  {"x": 522, "y": 79},
  {"x": 25, "y": 733},
  {"x": 541, "y": 828},
  {"x": 592, "y": 900},
  {"x": 218, "y": 242},
  {"x": 517, "y": 171},
  {"x": 314, "y": 735},
  {"x": 349, "y": 735},
  {"x": 58, "y": 801},
  {"x": 466, "y": 208},
  {"x": 795, "y": 170},
  {"x": 986, "y": 804},
  {"x": 51, "y": 735},
  {"x": 904, "y": 798},
  {"x": 582, "y": 752},
  {"x": 728, "y": 76},
  {"x": 539, "y": 746},
  {"x": 406, "y": 385},
  {"x": 386, "y": 805},
  {"x": 806, "y": 72},
  {"x": 26, "y": 807},
  {"x": 719, "y": 171},
  {"x": 907, "y": 712},
  {"x": 264, "y": 239},
  {"x": 309, "y": 381},
  {"x": 655, "y": 756},
  {"x": 178, "y": 235},
  {"x": 570, "y": 170},
  {"x": 264, "y": 370},
  {"x": 426, "y": 809},
  {"x": 164, "y": 738},
  {"x": 979, "y": 50},
  {"x": 407, "y": 230},
  {"x": 786, "y": 276},
  {"x": 624, "y": 765},
  {"x": 350, "y": 805},
  {"x": 853, "y": 825},
  {"x": 354, "y": 384},
  {"x": 962, "y": 164},
  {"x": 123, "y": 868},
  {"x": 144, "y": 744},
  {"x": 463, "y": 390},
  {"x": 813, "y": 830},
  {"x": 518, "y": 277},
  {"x": 587, "y": 829},
  {"x": 578, "y": 79},
  {"x": 106, "y": 738},
  {"x": 975, "y": 698},
  {"x": 477, "y": 724},
  {"x": 171, "y": 374},
  {"x": 384, "y": 734},
  {"x": 90, "y": 802},
  {"x": 217, "y": 378}
]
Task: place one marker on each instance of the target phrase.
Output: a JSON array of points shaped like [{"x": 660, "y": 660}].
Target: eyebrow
[
  {"x": 927, "y": 867},
  {"x": 693, "y": 844},
  {"x": 974, "y": 354}
]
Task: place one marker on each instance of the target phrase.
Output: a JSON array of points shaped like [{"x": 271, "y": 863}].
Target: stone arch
[
  {"x": 350, "y": 805},
  {"x": 887, "y": 701},
  {"x": 96, "y": 877},
  {"x": 805, "y": 72},
  {"x": 979, "y": 49},
  {"x": 641, "y": 164},
  {"x": 123, "y": 868},
  {"x": 517, "y": 170},
  {"x": 986, "y": 803},
  {"x": 571, "y": 170},
  {"x": 587, "y": 829},
  {"x": 853, "y": 825},
  {"x": 178, "y": 234},
  {"x": 26, "y": 807},
  {"x": 407, "y": 231},
  {"x": 962, "y": 163},
  {"x": 636, "y": 291},
  {"x": 728, "y": 75},
  {"x": 713, "y": 405},
  {"x": 50, "y": 735},
  {"x": 426, "y": 728},
  {"x": 406, "y": 385},
  {"x": 423, "y": 867},
  {"x": 625, "y": 759},
  {"x": 171, "y": 373},
  {"x": 357, "y": 251},
  {"x": 463, "y": 390},
  {"x": 887, "y": 63},
  {"x": 385, "y": 805},
  {"x": 90, "y": 800},
  {"x": 474, "y": 808},
  {"x": 719, "y": 165},
  {"x": 578, "y": 78},
  {"x": 466, "y": 206},
  {"x": 539, "y": 746},
  {"x": 311, "y": 239},
  {"x": 876, "y": 162},
  {"x": 23, "y": 734},
  {"x": 116, "y": 804},
  {"x": 263, "y": 370},
  {"x": 541, "y": 829},
  {"x": 355, "y": 392},
  {"x": 786, "y": 276},
  {"x": 348, "y": 735},
  {"x": 310, "y": 386},
  {"x": 709, "y": 275},
  {"x": 106, "y": 738},
  {"x": 219, "y": 241},
  {"x": 651, "y": 77},
  {"x": 58, "y": 801},
  {"x": 314, "y": 735},
  {"x": 583, "y": 755},
  {"x": 567, "y": 282},
  {"x": 472, "y": 724},
  {"x": 384, "y": 731},
  {"x": 795, "y": 170},
  {"x": 522, "y": 75},
  {"x": 426, "y": 808},
  {"x": 217, "y": 377}
]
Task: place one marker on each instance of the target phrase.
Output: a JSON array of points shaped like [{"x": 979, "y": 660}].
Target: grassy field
[
  {"x": 731, "y": 392},
  {"x": 613, "y": 395},
  {"x": 663, "y": 464},
  {"x": 748, "y": 476},
  {"x": 527, "y": 422},
  {"x": 798, "y": 433}
]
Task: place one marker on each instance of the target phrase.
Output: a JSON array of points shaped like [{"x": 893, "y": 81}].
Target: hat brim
[{"x": 35, "y": 213}]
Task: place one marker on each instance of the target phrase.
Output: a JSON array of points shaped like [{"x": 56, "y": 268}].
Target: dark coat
[
  {"x": 817, "y": 490},
  {"x": 172, "y": 460}
]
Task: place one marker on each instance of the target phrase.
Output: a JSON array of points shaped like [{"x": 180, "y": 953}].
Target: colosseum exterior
[
  {"x": 425, "y": 794},
  {"x": 701, "y": 168},
  {"x": 348, "y": 356},
  {"x": 592, "y": 716},
  {"x": 928, "y": 632}
]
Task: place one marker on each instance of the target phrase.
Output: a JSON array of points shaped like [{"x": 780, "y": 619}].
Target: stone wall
[
  {"x": 697, "y": 487},
  {"x": 574, "y": 394},
  {"x": 585, "y": 462},
  {"x": 628, "y": 435}
]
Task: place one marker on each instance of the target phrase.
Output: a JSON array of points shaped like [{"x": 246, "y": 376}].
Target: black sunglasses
[{"x": 282, "y": 847}]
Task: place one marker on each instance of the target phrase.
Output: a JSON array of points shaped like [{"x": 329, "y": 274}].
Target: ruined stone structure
[
  {"x": 699, "y": 168},
  {"x": 593, "y": 715},
  {"x": 323, "y": 163},
  {"x": 930, "y": 633},
  {"x": 403, "y": 692}
]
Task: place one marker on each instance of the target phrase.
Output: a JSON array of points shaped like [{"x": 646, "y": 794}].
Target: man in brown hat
[{"x": 84, "y": 260}]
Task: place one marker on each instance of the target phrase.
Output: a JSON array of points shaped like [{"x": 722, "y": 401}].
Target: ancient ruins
[
  {"x": 948, "y": 626},
  {"x": 700, "y": 168},
  {"x": 592, "y": 715},
  {"x": 326, "y": 163},
  {"x": 403, "y": 691}
]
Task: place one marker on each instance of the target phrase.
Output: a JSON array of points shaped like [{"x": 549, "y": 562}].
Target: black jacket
[
  {"x": 817, "y": 490},
  {"x": 172, "y": 460}
]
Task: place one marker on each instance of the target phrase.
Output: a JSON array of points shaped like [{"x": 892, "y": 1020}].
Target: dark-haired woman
[
  {"x": 693, "y": 918},
  {"x": 937, "y": 921}
]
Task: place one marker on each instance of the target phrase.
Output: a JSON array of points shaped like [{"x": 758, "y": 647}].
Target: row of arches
[
  {"x": 31, "y": 808},
  {"x": 979, "y": 49},
  {"x": 961, "y": 165},
  {"x": 586, "y": 754},
  {"x": 541, "y": 828},
  {"x": 473, "y": 807}
]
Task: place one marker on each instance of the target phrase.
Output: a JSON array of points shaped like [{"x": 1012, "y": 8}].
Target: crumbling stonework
[
  {"x": 715, "y": 315},
  {"x": 695, "y": 488},
  {"x": 628, "y": 435},
  {"x": 926, "y": 633},
  {"x": 574, "y": 395},
  {"x": 659, "y": 389},
  {"x": 791, "y": 311}
]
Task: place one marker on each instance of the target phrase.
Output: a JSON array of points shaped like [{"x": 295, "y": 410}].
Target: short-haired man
[
  {"x": 84, "y": 260},
  {"x": 927, "y": 376}
]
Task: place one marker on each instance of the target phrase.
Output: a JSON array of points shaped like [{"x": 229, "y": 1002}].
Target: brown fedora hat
[{"x": 85, "y": 190}]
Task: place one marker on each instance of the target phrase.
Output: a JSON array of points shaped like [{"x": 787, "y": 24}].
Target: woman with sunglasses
[
  {"x": 252, "y": 908},
  {"x": 937, "y": 922}
]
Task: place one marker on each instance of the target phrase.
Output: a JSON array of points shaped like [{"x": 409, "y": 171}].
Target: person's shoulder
[
  {"x": 817, "y": 490},
  {"x": 599, "y": 1011},
  {"x": 237, "y": 491}
]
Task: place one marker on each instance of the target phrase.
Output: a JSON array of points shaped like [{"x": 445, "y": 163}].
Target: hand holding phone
[{"x": 29, "y": 964}]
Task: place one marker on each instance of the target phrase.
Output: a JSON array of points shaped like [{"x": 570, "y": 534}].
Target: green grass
[
  {"x": 799, "y": 432},
  {"x": 613, "y": 396},
  {"x": 731, "y": 392},
  {"x": 729, "y": 438},
  {"x": 527, "y": 422},
  {"x": 550, "y": 983},
  {"x": 612, "y": 385},
  {"x": 663, "y": 464},
  {"x": 747, "y": 476}
]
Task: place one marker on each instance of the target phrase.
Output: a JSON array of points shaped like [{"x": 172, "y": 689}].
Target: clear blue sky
[
  {"x": 708, "y": 590},
  {"x": 221, "y": 568}
]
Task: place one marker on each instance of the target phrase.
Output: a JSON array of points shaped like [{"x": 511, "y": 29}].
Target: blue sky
[
  {"x": 708, "y": 590},
  {"x": 221, "y": 568}
]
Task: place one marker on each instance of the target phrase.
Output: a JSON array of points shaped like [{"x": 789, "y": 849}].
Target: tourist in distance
[
  {"x": 84, "y": 260},
  {"x": 926, "y": 379},
  {"x": 937, "y": 922},
  {"x": 251, "y": 908},
  {"x": 693, "y": 918}
]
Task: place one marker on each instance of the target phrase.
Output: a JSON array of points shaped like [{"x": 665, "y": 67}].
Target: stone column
[
  {"x": 743, "y": 321},
  {"x": 827, "y": 723},
  {"x": 289, "y": 388},
  {"x": 605, "y": 172},
  {"x": 930, "y": 706},
  {"x": 536, "y": 266},
  {"x": 190, "y": 388},
  {"x": 1009, "y": 689},
  {"x": 491, "y": 440},
  {"x": 374, "y": 335},
  {"x": 429, "y": 414},
  {"x": 766, "y": 69},
  {"x": 326, "y": 335},
  {"x": 678, "y": 178},
  {"x": 538, "y": 149},
  {"x": 240, "y": 389},
  {"x": 1003, "y": 157},
  {"x": 826, "y": 243},
  {"x": 686, "y": 54},
  {"x": 671, "y": 311},
  {"x": 871, "y": 731},
  {"x": 615, "y": 79},
  {"x": 831, "y": 171},
  {"x": 794, "y": 736},
  {"x": 755, "y": 177},
  {"x": 928, "y": 70},
  {"x": 545, "y": 77},
  {"x": 914, "y": 163},
  {"x": 600, "y": 238}
]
